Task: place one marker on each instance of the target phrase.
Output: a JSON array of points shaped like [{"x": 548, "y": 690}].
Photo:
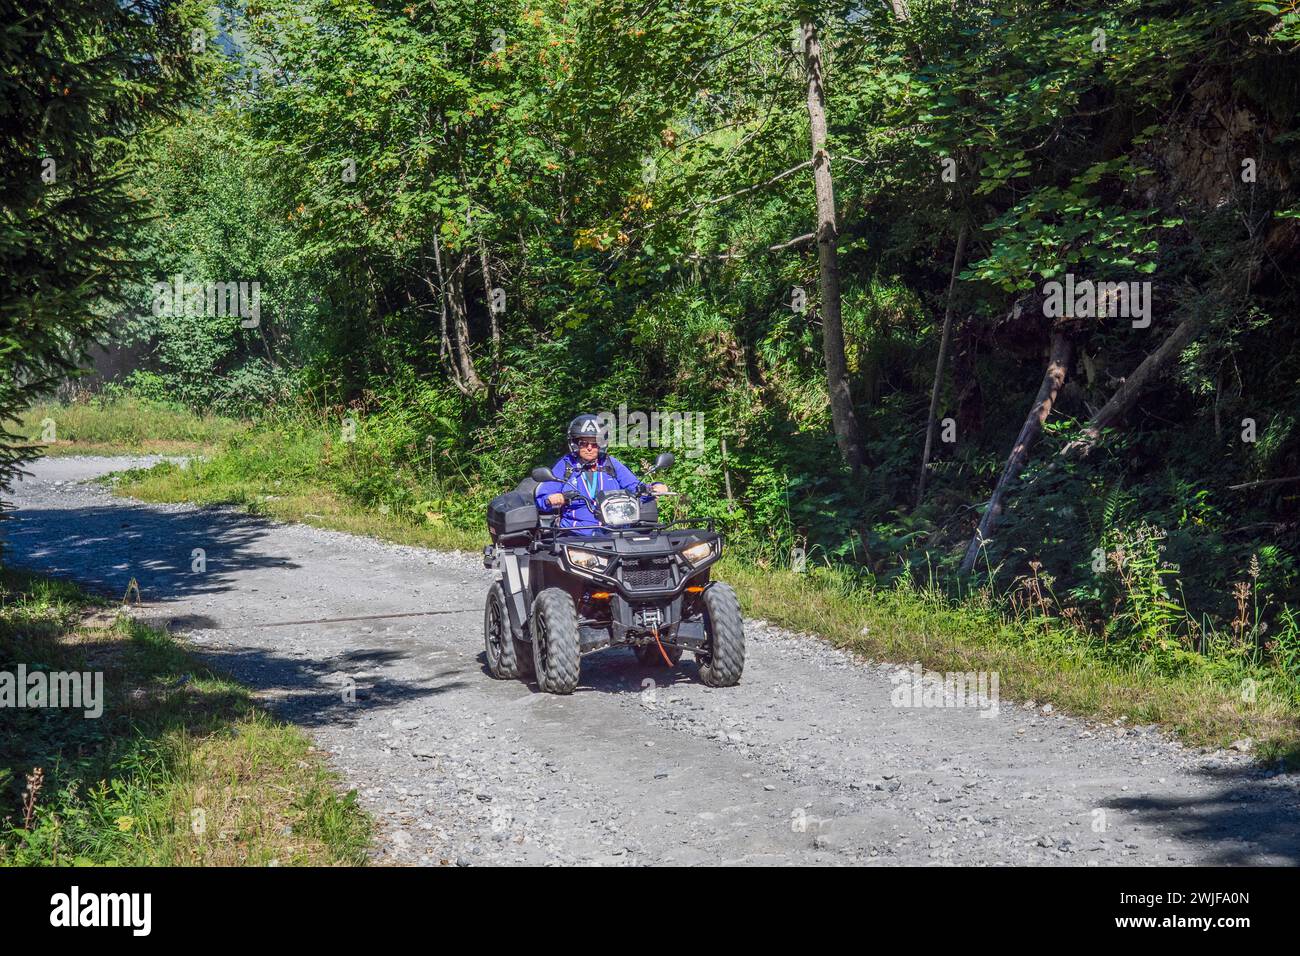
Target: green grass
[
  {"x": 183, "y": 767},
  {"x": 123, "y": 426},
  {"x": 293, "y": 473},
  {"x": 297, "y": 471}
]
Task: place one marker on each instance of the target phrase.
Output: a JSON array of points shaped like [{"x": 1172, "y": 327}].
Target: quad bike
[{"x": 635, "y": 582}]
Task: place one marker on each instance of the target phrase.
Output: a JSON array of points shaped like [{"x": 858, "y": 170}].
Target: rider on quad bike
[
  {"x": 610, "y": 574},
  {"x": 587, "y": 469}
]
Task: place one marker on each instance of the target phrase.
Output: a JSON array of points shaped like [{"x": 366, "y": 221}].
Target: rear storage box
[{"x": 511, "y": 513}]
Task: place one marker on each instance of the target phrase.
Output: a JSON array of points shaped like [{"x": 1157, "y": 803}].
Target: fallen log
[
  {"x": 1058, "y": 363},
  {"x": 1127, "y": 394}
]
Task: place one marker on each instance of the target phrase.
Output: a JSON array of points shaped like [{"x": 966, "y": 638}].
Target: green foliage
[
  {"x": 83, "y": 84},
  {"x": 633, "y": 179},
  {"x": 1054, "y": 230},
  {"x": 1135, "y": 585}
]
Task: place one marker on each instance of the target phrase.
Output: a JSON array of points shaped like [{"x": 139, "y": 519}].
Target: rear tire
[
  {"x": 556, "y": 655},
  {"x": 723, "y": 660},
  {"x": 648, "y": 655},
  {"x": 507, "y": 658}
]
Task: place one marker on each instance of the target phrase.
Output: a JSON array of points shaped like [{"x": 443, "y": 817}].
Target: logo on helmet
[{"x": 587, "y": 428}]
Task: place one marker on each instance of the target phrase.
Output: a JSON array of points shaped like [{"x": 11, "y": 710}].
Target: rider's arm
[{"x": 545, "y": 489}]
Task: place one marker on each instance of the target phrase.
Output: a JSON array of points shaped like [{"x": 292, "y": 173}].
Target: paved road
[{"x": 807, "y": 761}]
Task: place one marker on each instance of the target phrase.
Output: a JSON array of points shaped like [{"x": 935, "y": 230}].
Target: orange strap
[{"x": 661, "y": 648}]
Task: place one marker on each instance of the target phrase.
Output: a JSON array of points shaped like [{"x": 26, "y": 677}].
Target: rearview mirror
[
  {"x": 542, "y": 474},
  {"x": 664, "y": 461}
]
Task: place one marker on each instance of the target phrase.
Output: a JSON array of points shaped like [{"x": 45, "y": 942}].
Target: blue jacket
[{"x": 609, "y": 473}]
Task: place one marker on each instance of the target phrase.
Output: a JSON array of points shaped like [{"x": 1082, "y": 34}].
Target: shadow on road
[
  {"x": 315, "y": 693},
  {"x": 616, "y": 671},
  {"x": 104, "y": 547},
  {"x": 1239, "y": 823}
]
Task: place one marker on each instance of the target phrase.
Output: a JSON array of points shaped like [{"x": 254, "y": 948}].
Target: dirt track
[{"x": 807, "y": 761}]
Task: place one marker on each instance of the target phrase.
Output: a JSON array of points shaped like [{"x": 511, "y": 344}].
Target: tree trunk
[
  {"x": 938, "y": 367},
  {"x": 1057, "y": 364},
  {"x": 444, "y": 342},
  {"x": 848, "y": 434},
  {"x": 460, "y": 326},
  {"x": 487, "y": 296},
  {"x": 1126, "y": 395},
  {"x": 1265, "y": 483}
]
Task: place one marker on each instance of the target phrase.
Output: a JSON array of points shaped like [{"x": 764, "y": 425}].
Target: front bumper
[{"x": 632, "y": 621}]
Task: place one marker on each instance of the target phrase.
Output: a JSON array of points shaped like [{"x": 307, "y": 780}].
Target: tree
[
  {"x": 848, "y": 433},
  {"x": 938, "y": 365},
  {"x": 82, "y": 83}
]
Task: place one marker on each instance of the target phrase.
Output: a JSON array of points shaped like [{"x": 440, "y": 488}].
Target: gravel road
[{"x": 377, "y": 651}]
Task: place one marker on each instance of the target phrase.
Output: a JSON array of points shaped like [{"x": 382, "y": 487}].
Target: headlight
[
  {"x": 585, "y": 560},
  {"x": 619, "y": 511},
  {"x": 697, "y": 553}
]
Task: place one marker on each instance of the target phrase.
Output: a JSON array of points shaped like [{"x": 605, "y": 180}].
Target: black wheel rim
[
  {"x": 703, "y": 657},
  {"x": 495, "y": 633},
  {"x": 539, "y": 643}
]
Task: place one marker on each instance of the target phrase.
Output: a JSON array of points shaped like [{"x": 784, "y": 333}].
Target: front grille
[{"x": 648, "y": 573}]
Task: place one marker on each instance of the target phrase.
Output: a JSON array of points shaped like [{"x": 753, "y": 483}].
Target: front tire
[
  {"x": 556, "y": 654},
  {"x": 724, "y": 660},
  {"x": 507, "y": 658}
]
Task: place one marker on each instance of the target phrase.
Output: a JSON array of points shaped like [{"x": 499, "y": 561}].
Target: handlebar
[
  {"x": 708, "y": 523},
  {"x": 570, "y": 495}
]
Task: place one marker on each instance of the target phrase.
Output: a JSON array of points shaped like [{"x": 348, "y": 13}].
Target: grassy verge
[
  {"x": 298, "y": 473},
  {"x": 1039, "y": 658},
  {"x": 182, "y": 768},
  {"x": 123, "y": 426}
]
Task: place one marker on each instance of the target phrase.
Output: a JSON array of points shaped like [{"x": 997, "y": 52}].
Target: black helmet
[{"x": 589, "y": 427}]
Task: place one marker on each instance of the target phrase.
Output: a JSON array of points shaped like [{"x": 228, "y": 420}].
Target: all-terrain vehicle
[{"x": 634, "y": 581}]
